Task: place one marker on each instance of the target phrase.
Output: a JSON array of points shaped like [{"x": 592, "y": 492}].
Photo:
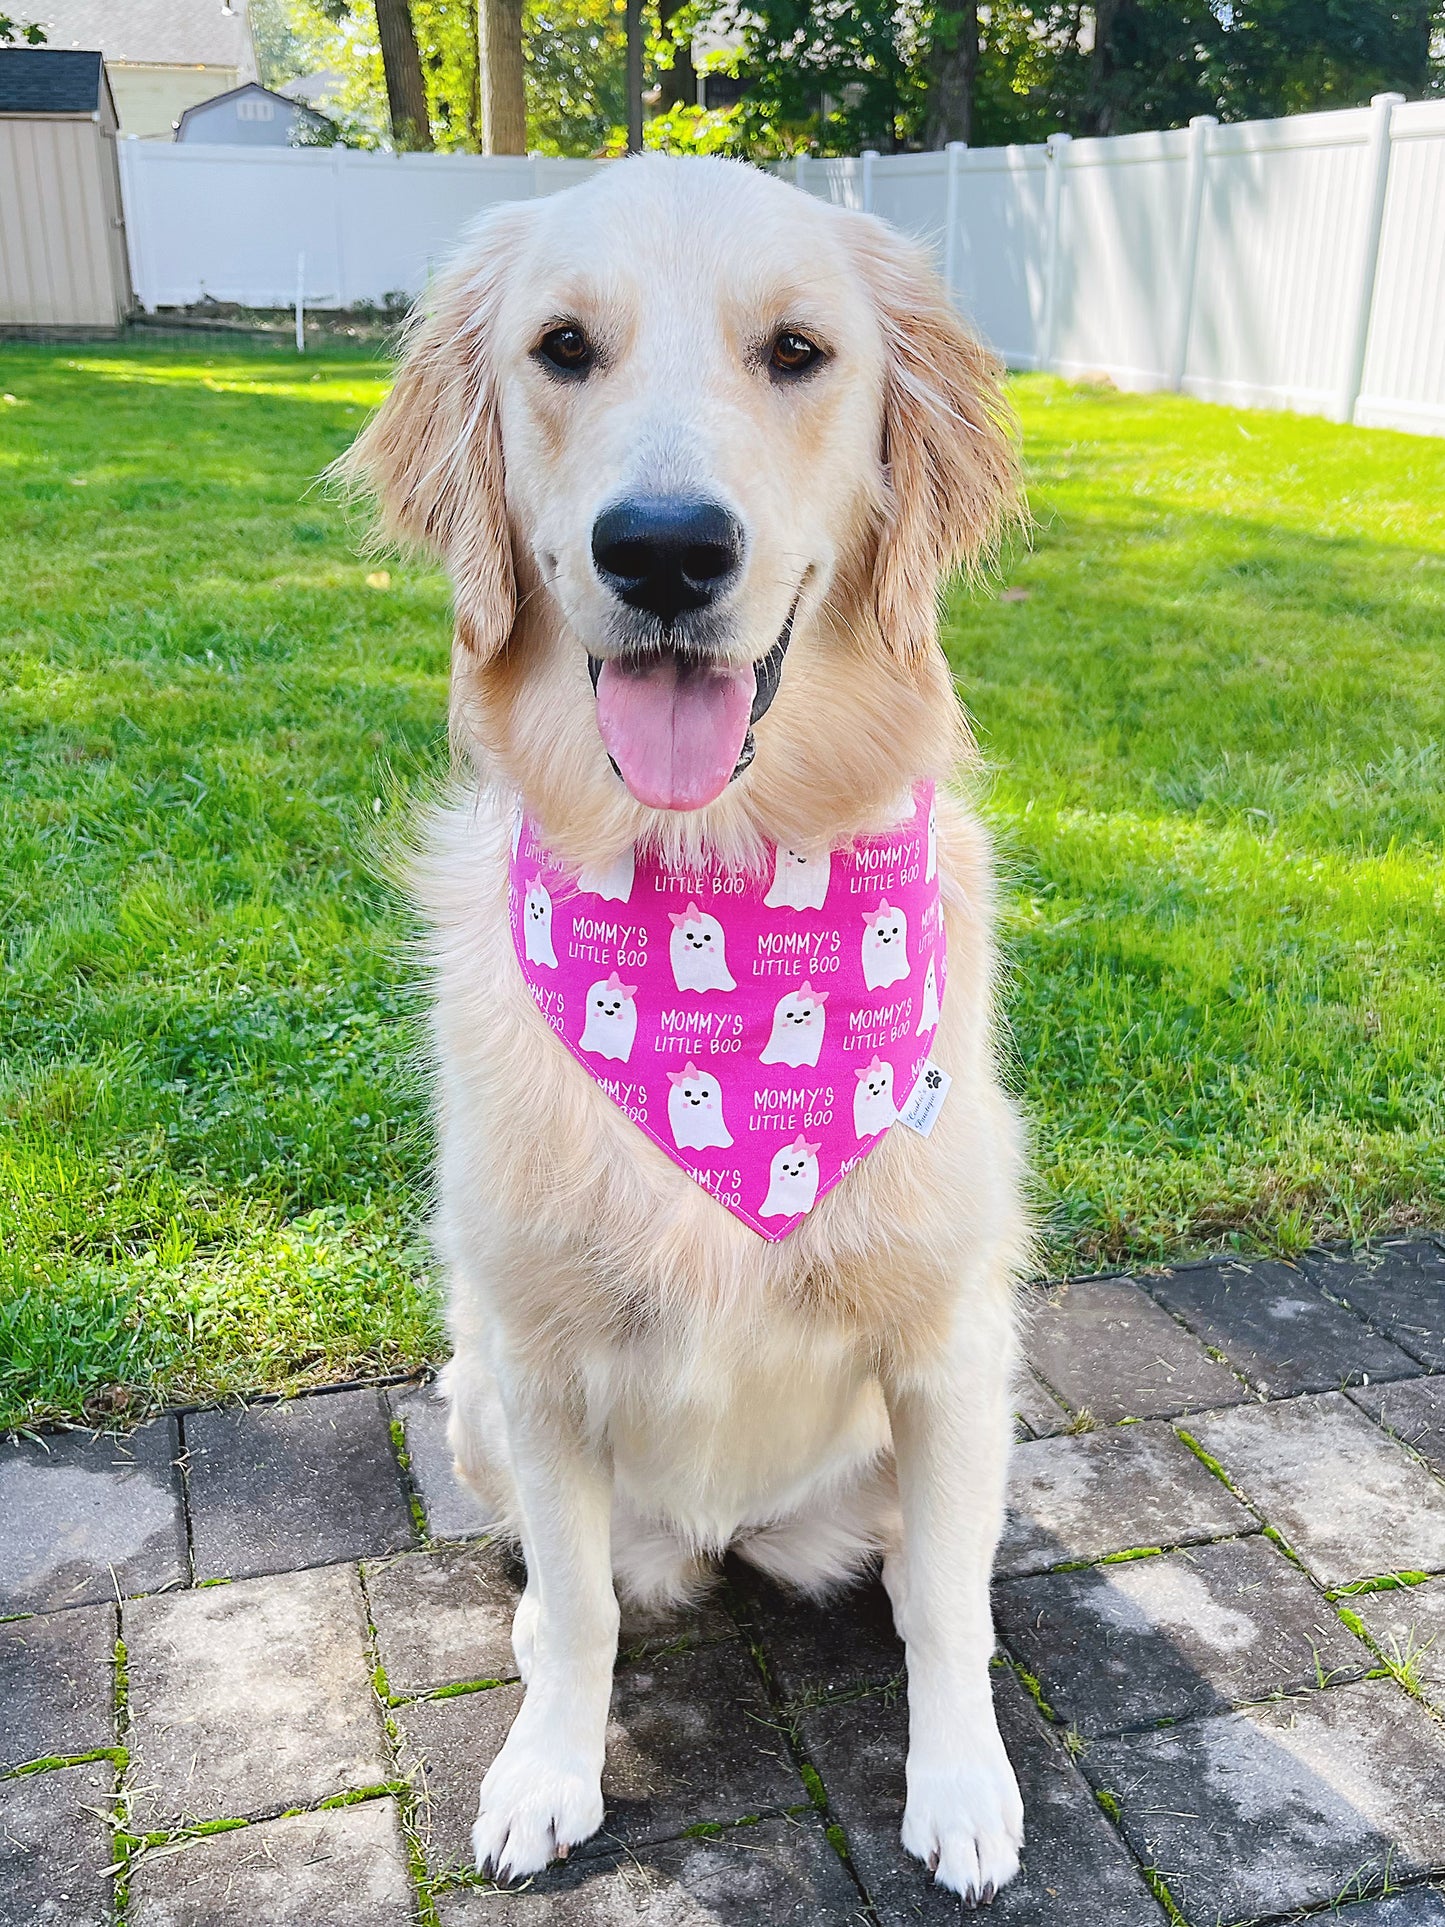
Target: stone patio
[{"x": 253, "y": 1661}]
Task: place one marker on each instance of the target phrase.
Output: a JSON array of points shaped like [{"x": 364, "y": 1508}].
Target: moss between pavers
[
  {"x": 403, "y": 1459},
  {"x": 52, "y": 1762},
  {"x": 1110, "y": 1804},
  {"x": 1384, "y": 1582}
]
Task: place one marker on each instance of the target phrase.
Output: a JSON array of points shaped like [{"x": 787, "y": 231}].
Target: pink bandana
[{"x": 764, "y": 1035}]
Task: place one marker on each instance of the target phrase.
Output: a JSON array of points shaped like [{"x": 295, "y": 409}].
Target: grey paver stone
[
  {"x": 250, "y": 1697},
  {"x": 1195, "y": 1631},
  {"x": 452, "y": 1510},
  {"x": 690, "y": 1741},
  {"x": 1036, "y": 1405},
  {"x": 1409, "y": 1621},
  {"x": 303, "y": 1483},
  {"x": 1413, "y": 1410},
  {"x": 445, "y": 1618},
  {"x": 1398, "y": 1285},
  {"x": 1101, "y": 1492},
  {"x": 1075, "y": 1871},
  {"x": 87, "y": 1515},
  {"x": 1282, "y": 1806},
  {"x": 1105, "y": 1347},
  {"x": 817, "y": 1649},
  {"x": 1420, "y": 1907},
  {"x": 57, "y": 1685},
  {"x": 55, "y": 1846},
  {"x": 1348, "y": 1499},
  {"x": 781, "y": 1873},
  {"x": 1273, "y": 1324},
  {"x": 343, "y": 1868}
]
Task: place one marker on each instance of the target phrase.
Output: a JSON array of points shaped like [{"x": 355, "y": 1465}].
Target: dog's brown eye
[
  {"x": 567, "y": 349},
  {"x": 793, "y": 354}
]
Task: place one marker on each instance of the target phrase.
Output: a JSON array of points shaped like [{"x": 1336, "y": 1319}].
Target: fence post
[
  {"x": 870, "y": 154},
  {"x": 1058, "y": 151},
  {"x": 953, "y": 162},
  {"x": 800, "y": 170},
  {"x": 130, "y": 215},
  {"x": 1377, "y": 179},
  {"x": 1199, "y": 128},
  {"x": 338, "y": 213}
]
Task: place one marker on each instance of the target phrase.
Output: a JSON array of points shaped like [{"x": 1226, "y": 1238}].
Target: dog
[{"x": 698, "y": 451}]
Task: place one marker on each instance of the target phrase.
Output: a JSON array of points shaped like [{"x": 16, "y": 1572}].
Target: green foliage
[
  {"x": 1289, "y": 56},
  {"x": 1214, "y": 726},
  {"x": 446, "y": 32},
  {"x": 576, "y": 57},
  {"x": 1124, "y": 65},
  {"x": 838, "y": 77},
  {"x": 835, "y": 78},
  {"x": 30, "y": 31},
  {"x": 300, "y": 37}
]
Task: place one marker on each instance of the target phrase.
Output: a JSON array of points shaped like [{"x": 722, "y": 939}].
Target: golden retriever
[{"x": 800, "y": 439}]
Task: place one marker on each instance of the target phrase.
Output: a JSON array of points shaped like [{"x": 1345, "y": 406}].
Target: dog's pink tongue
[{"x": 674, "y": 732}]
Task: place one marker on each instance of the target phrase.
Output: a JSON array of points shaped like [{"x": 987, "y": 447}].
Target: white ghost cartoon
[
  {"x": 792, "y": 1180},
  {"x": 798, "y": 1021},
  {"x": 928, "y": 1015},
  {"x": 697, "y": 950},
  {"x": 537, "y": 925},
  {"x": 610, "y": 880},
  {"x": 873, "y": 1109},
  {"x": 930, "y": 867},
  {"x": 694, "y": 1109},
  {"x": 885, "y": 946},
  {"x": 611, "y": 1025},
  {"x": 799, "y": 882}
]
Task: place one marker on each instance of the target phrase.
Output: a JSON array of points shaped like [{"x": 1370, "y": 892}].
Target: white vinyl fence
[
  {"x": 1292, "y": 263},
  {"x": 250, "y": 224}
]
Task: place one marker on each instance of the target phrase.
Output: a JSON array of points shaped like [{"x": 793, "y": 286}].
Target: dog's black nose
[{"x": 667, "y": 553}]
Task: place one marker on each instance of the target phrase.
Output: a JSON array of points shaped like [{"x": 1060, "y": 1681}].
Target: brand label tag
[{"x": 920, "y": 1113}]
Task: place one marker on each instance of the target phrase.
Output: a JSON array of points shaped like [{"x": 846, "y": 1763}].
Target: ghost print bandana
[{"x": 765, "y": 1033}]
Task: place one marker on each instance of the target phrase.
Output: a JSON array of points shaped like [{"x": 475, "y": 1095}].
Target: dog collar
[{"x": 764, "y": 1032}]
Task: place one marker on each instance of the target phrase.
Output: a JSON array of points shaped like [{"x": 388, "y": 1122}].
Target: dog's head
[{"x": 697, "y": 451}]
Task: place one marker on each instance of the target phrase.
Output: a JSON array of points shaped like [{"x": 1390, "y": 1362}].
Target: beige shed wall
[
  {"x": 62, "y": 256},
  {"x": 150, "y": 100}
]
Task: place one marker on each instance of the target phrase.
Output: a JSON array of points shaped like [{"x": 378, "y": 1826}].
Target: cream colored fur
[{"x": 640, "y": 1382}]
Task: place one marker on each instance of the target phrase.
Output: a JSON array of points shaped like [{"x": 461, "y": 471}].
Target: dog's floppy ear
[
  {"x": 432, "y": 454},
  {"x": 950, "y": 469}
]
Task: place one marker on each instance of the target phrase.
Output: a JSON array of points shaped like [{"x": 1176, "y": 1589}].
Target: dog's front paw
[
  {"x": 534, "y": 1808},
  {"x": 964, "y": 1819}
]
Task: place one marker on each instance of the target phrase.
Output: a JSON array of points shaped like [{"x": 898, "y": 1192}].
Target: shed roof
[
  {"x": 49, "y": 80},
  {"x": 160, "y": 33}
]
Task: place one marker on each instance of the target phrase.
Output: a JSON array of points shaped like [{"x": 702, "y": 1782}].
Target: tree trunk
[
  {"x": 679, "y": 81},
  {"x": 952, "y": 70},
  {"x": 1100, "y": 105},
  {"x": 635, "y": 36},
  {"x": 474, "y": 92},
  {"x": 504, "y": 88},
  {"x": 405, "y": 88}
]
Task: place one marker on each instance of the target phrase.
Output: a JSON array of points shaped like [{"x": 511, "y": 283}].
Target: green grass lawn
[{"x": 1214, "y": 725}]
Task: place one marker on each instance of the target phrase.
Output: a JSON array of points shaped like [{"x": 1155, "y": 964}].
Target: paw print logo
[{"x": 933, "y": 1079}]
